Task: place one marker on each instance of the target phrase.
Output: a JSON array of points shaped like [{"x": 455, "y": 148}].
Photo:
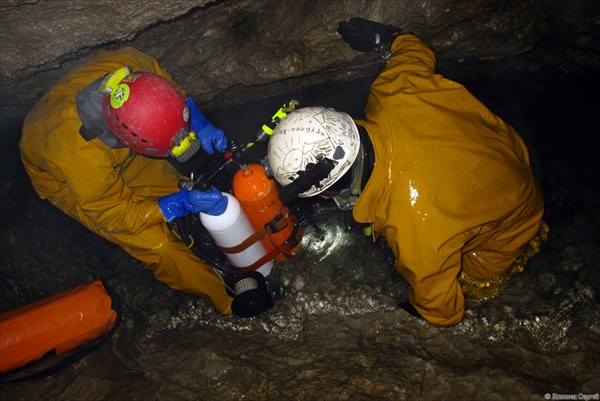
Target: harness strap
[
  {"x": 276, "y": 225},
  {"x": 257, "y": 235}
]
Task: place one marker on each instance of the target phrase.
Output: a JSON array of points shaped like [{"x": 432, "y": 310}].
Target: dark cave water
[{"x": 338, "y": 334}]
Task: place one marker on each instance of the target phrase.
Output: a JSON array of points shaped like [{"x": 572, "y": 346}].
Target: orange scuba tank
[
  {"x": 59, "y": 323},
  {"x": 259, "y": 197}
]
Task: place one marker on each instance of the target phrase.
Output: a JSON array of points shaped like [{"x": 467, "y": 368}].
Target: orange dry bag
[
  {"x": 259, "y": 197},
  {"x": 59, "y": 323}
]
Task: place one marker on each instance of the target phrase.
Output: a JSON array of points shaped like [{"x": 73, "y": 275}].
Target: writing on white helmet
[{"x": 307, "y": 135}]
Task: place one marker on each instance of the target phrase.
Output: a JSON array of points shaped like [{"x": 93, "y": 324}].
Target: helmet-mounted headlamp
[
  {"x": 186, "y": 144},
  {"x": 148, "y": 114}
]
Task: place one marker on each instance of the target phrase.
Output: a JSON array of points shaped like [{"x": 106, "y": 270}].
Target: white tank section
[{"x": 230, "y": 229}]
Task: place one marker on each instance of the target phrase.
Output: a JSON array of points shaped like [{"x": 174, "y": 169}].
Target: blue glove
[
  {"x": 211, "y": 138},
  {"x": 186, "y": 201}
]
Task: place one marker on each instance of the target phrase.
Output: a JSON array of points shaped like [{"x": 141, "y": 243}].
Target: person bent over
[
  {"x": 96, "y": 146},
  {"x": 444, "y": 180}
]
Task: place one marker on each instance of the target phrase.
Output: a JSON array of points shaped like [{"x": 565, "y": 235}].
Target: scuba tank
[
  {"x": 259, "y": 198},
  {"x": 240, "y": 257},
  {"x": 233, "y": 233}
]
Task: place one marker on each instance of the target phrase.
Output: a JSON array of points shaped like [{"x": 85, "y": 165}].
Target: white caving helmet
[{"x": 307, "y": 135}]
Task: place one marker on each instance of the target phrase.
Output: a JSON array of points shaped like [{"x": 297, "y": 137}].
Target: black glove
[
  {"x": 408, "y": 307},
  {"x": 366, "y": 36}
]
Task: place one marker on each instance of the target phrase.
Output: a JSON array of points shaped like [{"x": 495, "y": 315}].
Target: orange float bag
[{"x": 59, "y": 323}]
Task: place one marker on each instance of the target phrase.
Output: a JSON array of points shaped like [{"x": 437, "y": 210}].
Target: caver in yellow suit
[
  {"x": 112, "y": 191},
  {"x": 451, "y": 188}
]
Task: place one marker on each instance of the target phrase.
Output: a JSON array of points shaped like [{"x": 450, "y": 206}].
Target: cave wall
[{"x": 224, "y": 51}]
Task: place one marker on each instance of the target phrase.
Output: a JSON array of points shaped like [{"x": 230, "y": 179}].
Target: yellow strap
[
  {"x": 115, "y": 77},
  {"x": 291, "y": 106}
]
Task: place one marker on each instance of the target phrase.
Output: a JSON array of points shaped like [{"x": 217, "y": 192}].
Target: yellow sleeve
[
  {"x": 410, "y": 58},
  {"x": 102, "y": 194}
]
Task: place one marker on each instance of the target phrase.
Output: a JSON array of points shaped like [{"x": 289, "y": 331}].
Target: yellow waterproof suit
[
  {"x": 111, "y": 191},
  {"x": 452, "y": 190}
]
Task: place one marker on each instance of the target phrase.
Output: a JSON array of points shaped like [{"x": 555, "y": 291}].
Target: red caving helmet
[{"x": 145, "y": 112}]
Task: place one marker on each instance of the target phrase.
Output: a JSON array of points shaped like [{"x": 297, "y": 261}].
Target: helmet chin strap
[
  {"x": 359, "y": 174},
  {"x": 346, "y": 198}
]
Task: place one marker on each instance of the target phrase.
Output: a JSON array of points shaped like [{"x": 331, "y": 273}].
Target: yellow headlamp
[
  {"x": 113, "y": 79},
  {"x": 185, "y": 146}
]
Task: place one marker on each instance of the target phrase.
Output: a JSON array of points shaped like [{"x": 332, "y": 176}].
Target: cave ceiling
[{"x": 223, "y": 51}]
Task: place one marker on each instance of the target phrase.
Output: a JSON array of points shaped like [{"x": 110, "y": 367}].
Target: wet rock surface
[{"x": 338, "y": 334}]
